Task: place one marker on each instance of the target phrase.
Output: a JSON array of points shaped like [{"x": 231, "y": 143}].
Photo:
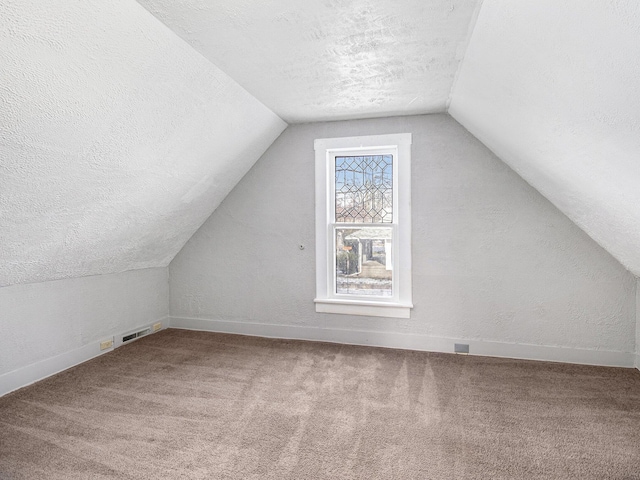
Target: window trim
[{"x": 327, "y": 301}]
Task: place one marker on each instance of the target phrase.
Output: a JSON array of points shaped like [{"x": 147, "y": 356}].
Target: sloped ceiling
[
  {"x": 311, "y": 60},
  {"x": 553, "y": 88},
  {"x": 117, "y": 139}
]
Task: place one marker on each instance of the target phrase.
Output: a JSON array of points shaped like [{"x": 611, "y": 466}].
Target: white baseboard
[
  {"x": 45, "y": 368},
  {"x": 50, "y": 366},
  {"x": 638, "y": 361},
  {"x": 411, "y": 342}
]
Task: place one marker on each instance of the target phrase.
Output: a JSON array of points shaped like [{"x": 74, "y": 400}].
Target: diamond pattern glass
[{"x": 364, "y": 189}]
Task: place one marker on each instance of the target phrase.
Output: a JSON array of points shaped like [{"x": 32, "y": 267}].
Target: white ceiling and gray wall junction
[
  {"x": 124, "y": 124},
  {"x": 549, "y": 86},
  {"x": 118, "y": 139}
]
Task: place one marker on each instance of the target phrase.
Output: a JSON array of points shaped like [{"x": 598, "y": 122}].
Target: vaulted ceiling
[
  {"x": 117, "y": 139},
  {"x": 311, "y": 60},
  {"x": 123, "y": 125},
  {"x": 553, "y": 88}
]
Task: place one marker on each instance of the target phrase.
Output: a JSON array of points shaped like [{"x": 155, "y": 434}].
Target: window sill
[{"x": 367, "y": 308}]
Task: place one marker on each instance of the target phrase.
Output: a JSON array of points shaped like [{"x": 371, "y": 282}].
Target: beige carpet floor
[{"x": 194, "y": 405}]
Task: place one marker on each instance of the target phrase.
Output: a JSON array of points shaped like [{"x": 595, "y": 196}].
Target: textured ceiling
[
  {"x": 312, "y": 60},
  {"x": 117, "y": 139},
  {"x": 553, "y": 89}
]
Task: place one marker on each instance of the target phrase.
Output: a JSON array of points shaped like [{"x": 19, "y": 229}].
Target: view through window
[
  {"x": 363, "y": 225},
  {"x": 363, "y": 218}
]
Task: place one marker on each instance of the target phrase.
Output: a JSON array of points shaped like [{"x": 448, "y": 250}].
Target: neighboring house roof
[{"x": 371, "y": 234}]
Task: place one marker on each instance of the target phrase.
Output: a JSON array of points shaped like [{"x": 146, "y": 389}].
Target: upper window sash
[{"x": 331, "y": 175}]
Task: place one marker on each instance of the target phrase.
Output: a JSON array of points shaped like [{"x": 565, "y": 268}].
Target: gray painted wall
[
  {"x": 638, "y": 324},
  {"x": 50, "y": 326},
  {"x": 494, "y": 263}
]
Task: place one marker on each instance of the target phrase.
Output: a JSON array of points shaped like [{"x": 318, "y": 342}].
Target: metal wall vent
[{"x": 133, "y": 336}]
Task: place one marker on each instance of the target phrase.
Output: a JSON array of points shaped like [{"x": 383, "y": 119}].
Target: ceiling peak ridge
[{"x": 209, "y": 61}]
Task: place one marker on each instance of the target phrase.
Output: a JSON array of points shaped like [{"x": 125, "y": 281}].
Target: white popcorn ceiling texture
[
  {"x": 553, "y": 88},
  {"x": 117, "y": 139},
  {"x": 311, "y": 60}
]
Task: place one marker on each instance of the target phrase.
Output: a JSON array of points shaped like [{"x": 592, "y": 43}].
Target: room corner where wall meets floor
[
  {"x": 638, "y": 323},
  {"x": 51, "y": 326},
  {"x": 202, "y": 405},
  {"x": 495, "y": 264}
]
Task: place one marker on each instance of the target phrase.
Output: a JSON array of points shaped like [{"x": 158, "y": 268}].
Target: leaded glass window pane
[{"x": 364, "y": 189}]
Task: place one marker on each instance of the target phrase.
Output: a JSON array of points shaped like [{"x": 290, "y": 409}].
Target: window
[{"x": 363, "y": 229}]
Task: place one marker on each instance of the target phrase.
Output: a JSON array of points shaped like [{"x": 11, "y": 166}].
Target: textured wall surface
[
  {"x": 552, "y": 88},
  {"x": 42, "y": 320},
  {"x": 312, "y": 60},
  {"x": 492, "y": 259},
  {"x": 117, "y": 139}
]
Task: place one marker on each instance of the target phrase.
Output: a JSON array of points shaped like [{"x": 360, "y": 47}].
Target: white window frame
[{"x": 327, "y": 301}]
